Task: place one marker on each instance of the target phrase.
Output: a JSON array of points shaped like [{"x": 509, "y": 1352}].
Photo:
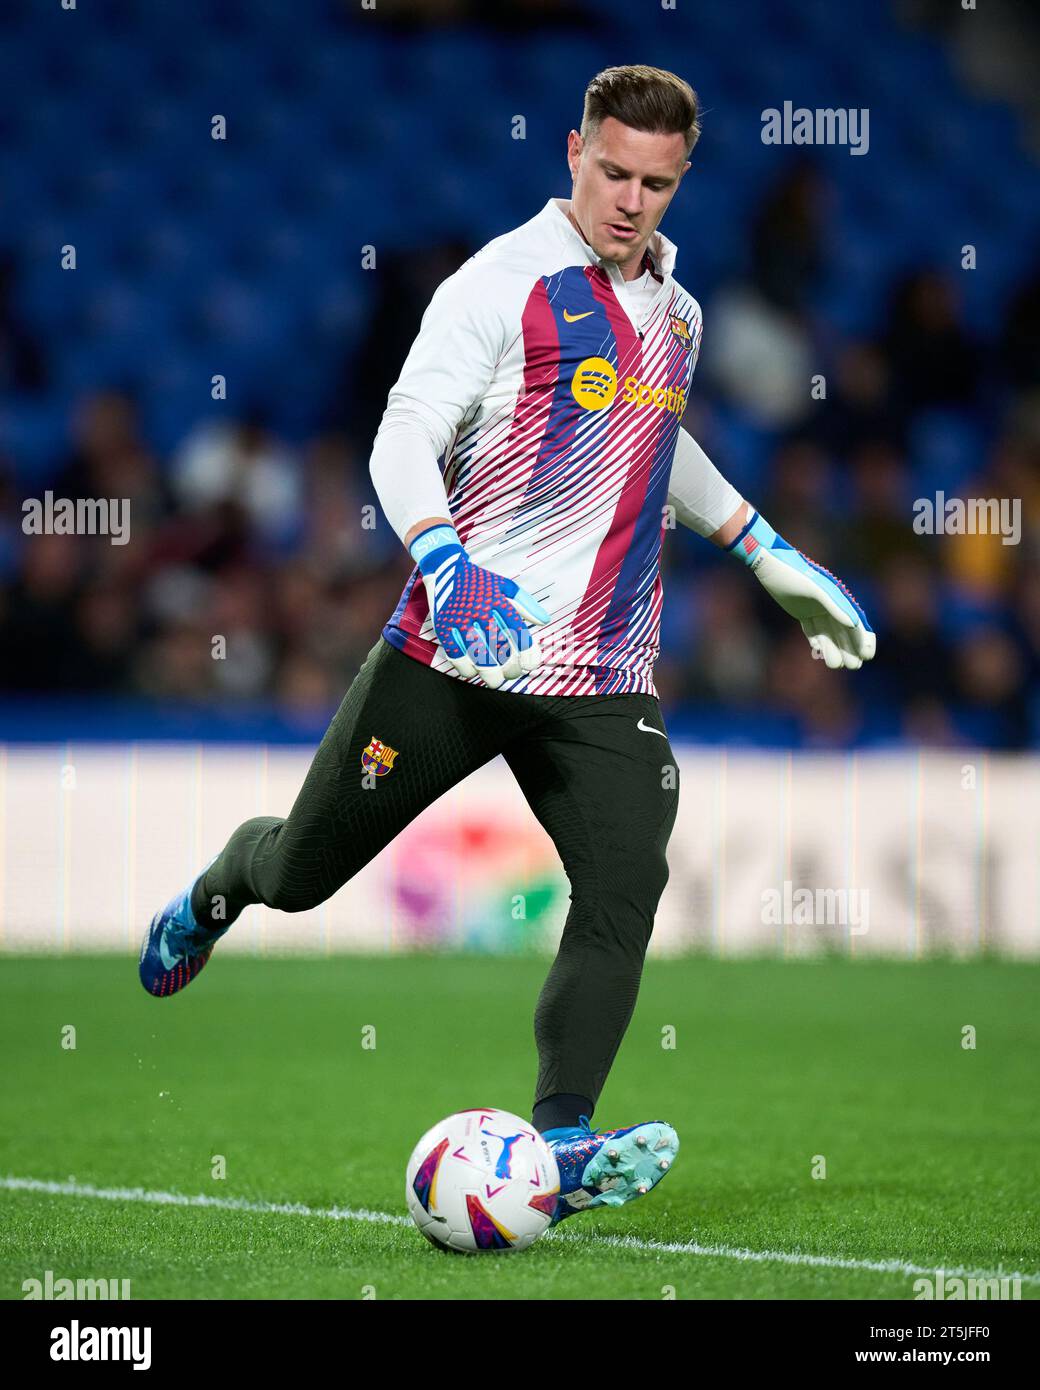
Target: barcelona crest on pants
[{"x": 378, "y": 758}]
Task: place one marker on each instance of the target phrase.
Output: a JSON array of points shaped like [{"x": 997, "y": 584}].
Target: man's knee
[
  {"x": 291, "y": 890},
  {"x": 642, "y": 876},
  {"x": 297, "y": 887},
  {"x": 619, "y": 897},
  {"x": 287, "y": 898}
]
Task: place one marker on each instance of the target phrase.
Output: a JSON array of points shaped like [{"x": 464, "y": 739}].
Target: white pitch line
[
  {"x": 71, "y": 1188},
  {"x": 180, "y": 1199},
  {"x": 729, "y": 1252}
]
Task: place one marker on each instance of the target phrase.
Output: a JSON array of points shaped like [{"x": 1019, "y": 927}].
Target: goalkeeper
[{"x": 551, "y": 372}]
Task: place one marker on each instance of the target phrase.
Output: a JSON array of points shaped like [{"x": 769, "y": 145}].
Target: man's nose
[{"x": 631, "y": 202}]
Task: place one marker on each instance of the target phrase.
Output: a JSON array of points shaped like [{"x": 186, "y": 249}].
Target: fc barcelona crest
[
  {"x": 681, "y": 329},
  {"x": 378, "y": 758}
]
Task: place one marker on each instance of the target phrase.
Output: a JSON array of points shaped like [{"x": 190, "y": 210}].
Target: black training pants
[{"x": 601, "y": 782}]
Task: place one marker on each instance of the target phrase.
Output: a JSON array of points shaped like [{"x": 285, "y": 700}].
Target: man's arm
[
  {"x": 447, "y": 370},
  {"x": 481, "y": 619},
  {"x": 703, "y": 500},
  {"x": 832, "y": 620}
]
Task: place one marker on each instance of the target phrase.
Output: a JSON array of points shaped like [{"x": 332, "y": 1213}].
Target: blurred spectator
[
  {"x": 823, "y": 703},
  {"x": 727, "y": 652},
  {"x": 760, "y": 349},
  {"x": 242, "y": 463},
  {"x": 786, "y": 254},
  {"x": 913, "y": 657},
  {"x": 176, "y": 664},
  {"x": 797, "y": 502},
  {"x": 934, "y": 360},
  {"x": 108, "y": 456},
  {"x": 23, "y": 366},
  {"x": 106, "y": 618},
  {"x": 993, "y": 709},
  {"x": 1020, "y": 338},
  {"x": 39, "y": 635},
  {"x": 877, "y": 526},
  {"x": 759, "y": 357},
  {"x": 404, "y": 287},
  {"x": 859, "y": 406}
]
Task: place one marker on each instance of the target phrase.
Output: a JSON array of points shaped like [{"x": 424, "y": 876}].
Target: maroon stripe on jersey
[{"x": 514, "y": 456}]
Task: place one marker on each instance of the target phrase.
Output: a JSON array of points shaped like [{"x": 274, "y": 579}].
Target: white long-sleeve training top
[{"x": 554, "y": 390}]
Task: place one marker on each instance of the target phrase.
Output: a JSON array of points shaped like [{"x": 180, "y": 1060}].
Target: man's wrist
[
  {"x": 430, "y": 547},
  {"x": 755, "y": 535},
  {"x": 416, "y": 529}
]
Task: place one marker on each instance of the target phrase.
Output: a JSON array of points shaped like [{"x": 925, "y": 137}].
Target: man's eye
[{"x": 654, "y": 187}]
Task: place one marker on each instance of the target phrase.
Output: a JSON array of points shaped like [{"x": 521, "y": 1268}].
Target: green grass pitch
[{"x": 930, "y": 1148}]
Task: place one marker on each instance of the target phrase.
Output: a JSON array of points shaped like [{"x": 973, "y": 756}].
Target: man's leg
[
  {"x": 607, "y": 791},
  {"x": 441, "y": 730}
]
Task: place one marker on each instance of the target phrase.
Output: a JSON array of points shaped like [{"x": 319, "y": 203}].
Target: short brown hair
[{"x": 644, "y": 98}]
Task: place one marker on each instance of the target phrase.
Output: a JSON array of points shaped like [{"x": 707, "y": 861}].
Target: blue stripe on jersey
[{"x": 590, "y": 336}]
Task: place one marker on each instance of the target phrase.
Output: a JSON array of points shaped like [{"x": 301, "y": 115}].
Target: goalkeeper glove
[
  {"x": 480, "y": 618},
  {"x": 833, "y": 621}
]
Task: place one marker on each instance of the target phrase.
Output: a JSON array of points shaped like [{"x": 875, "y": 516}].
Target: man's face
[{"x": 623, "y": 178}]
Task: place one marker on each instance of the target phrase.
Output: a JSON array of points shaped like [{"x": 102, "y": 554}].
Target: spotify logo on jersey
[{"x": 594, "y": 383}]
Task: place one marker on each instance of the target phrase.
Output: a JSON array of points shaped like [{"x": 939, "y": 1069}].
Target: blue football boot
[
  {"x": 175, "y": 946},
  {"x": 608, "y": 1167}
]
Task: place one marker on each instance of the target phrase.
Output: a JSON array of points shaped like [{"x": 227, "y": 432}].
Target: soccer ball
[{"x": 482, "y": 1180}]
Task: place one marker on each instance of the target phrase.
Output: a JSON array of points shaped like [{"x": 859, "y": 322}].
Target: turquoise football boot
[
  {"x": 175, "y": 946},
  {"x": 608, "y": 1167}
]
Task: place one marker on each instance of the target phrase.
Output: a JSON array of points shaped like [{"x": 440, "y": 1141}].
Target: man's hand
[
  {"x": 833, "y": 621},
  {"x": 480, "y": 618}
]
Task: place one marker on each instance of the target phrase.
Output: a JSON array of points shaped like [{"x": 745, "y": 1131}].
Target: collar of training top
[{"x": 658, "y": 258}]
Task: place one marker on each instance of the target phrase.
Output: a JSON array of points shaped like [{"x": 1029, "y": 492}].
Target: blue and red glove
[
  {"x": 481, "y": 618},
  {"x": 833, "y": 621}
]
